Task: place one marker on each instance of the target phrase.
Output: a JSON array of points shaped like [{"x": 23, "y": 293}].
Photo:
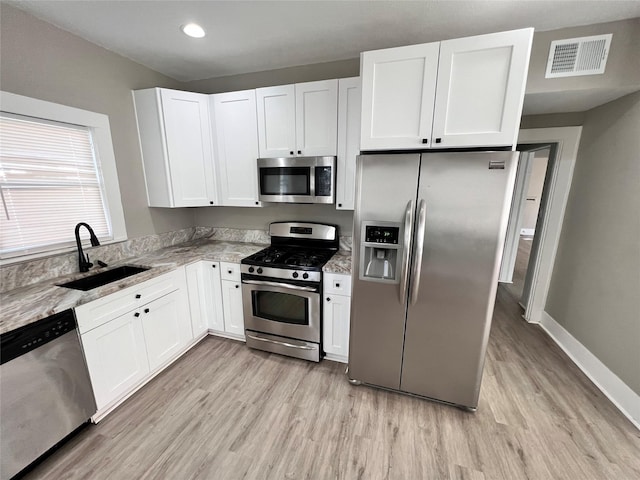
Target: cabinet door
[
  {"x": 335, "y": 339},
  {"x": 348, "y": 141},
  {"x": 116, "y": 357},
  {"x": 236, "y": 147},
  {"x": 188, "y": 138},
  {"x": 398, "y": 88},
  {"x": 232, "y": 303},
  {"x": 196, "y": 290},
  {"x": 317, "y": 118},
  {"x": 167, "y": 328},
  {"x": 213, "y": 296},
  {"x": 481, "y": 83},
  {"x": 276, "y": 121}
]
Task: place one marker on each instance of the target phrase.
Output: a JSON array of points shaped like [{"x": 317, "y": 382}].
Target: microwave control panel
[{"x": 324, "y": 181}]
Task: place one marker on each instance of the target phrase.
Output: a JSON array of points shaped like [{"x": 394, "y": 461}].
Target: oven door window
[
  {"x": 281, "y": 307},
  {"x": 285, "y": 181}
]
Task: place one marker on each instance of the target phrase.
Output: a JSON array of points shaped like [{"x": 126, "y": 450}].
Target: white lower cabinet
[
  {"x": 336, "y": 316},
  {"x": 215, "y": 297},
  {"x": 232, "y": 304},
  {"x": 167, "y": 328},
  {"x": 124, "y": 350},
  {"x": 232, "y": 299},
  {"x": 205, "y": 297},
  {"x": 116, "y": 357}
]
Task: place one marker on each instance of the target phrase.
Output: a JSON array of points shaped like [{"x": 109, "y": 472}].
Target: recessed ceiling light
[{"x": 193, "y": 30}]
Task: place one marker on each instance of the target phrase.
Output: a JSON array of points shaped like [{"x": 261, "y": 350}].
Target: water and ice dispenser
[{"x": 380, "y": 251}]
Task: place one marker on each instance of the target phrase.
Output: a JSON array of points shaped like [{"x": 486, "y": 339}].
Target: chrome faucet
[{"x": 85, "y": 264}]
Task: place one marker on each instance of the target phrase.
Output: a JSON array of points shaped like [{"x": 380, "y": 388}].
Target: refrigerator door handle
[
  {"x": 406, "y": 252},
  {"x": 417, "y": 260}
]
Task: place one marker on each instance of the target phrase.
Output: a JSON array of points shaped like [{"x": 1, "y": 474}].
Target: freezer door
[
  {"x": 386, "y": 187},
  {"x": 466, "y": 198}
]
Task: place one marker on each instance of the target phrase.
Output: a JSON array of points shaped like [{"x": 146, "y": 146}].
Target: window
[{"x": 52, "y": 176}]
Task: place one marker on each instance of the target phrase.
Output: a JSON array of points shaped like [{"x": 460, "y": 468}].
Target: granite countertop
[
  {"x": 28, "y": 304},
  {"x": 339, "y": 263},
  {"x": 31, "y": 303}
]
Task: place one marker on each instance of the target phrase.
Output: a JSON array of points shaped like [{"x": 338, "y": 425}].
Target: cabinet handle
[
  {"x": 146, "y": 310},
  {"x": 291, "y": 152},
  {"x": 257, "y": 203},
  {"x": 438, "y": 140},
  {"x": 337, "y": 285},
  {"x": 328, "y": 299},
  {"x": 138, "y": 296},
  {"x": 237, "y": 286},
  {"x": 210, "y": 203},
  {"x": 214, "y": 265},
  {"x": 299, "y": 152},
  {"x": 339, "y": 204},
  {"x": 230, "y": 271},
  {"x": 425, "y": 140},
  {"x": 137, "y": 314}
]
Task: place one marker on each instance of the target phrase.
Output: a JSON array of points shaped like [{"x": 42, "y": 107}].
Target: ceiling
[{"x": 253, "y": 36}]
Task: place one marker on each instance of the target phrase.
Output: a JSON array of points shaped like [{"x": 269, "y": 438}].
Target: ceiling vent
[{"x": 574, "y": 57}]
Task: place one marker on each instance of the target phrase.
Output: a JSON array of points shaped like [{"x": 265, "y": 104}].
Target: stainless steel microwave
[{"x": 297, "y": 179}]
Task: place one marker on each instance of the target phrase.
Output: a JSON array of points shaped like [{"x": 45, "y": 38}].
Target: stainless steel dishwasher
[{"x": 45, "y": 392}]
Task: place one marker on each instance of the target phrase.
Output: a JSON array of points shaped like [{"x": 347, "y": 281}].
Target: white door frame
[
  {"x": 512, "y": 237},
  {"x": 567, "y": 140}
]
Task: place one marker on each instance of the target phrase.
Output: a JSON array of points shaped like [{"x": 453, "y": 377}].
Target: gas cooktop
[
  {"x": 298, "y": 252},
  {"x": 280, "y": 257}
]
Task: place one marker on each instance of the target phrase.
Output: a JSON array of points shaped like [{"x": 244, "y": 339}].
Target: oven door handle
[
  {"x": 282, "y": 285},
  {"x": 286, "y": 344}
]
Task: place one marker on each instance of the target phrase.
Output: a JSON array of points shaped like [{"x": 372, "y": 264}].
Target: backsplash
[{"x": 33, "y": 271}]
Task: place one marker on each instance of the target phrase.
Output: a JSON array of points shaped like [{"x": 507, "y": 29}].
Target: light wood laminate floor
[
  {"x": 520, "y": 269},
  {"x": 226, "y": 412}
]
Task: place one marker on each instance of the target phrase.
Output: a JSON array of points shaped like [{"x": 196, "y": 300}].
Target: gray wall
[
  {"x": 595, "y": 287},
  {"x": 41, "y": 61},
  {"x": 553, "y": 120},
  {"x": 282, "y": 76},
  {"x": 259, "y": 218}
]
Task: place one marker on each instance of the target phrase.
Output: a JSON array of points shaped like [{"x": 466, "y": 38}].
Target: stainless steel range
[{"x": 281, "y": 289}]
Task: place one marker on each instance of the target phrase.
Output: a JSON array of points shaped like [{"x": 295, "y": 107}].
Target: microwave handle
[{"x": 282, "y": 285}]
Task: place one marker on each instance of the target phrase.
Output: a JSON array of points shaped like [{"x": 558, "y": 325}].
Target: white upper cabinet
[
  {"x": 398, "y": 88},
  {"x": 298, "y": 120},
  {"x": 477, "y": 101},
  {"x": 276, "y": 121},
  {"x": 317, "y": 118},
  {"x": 235, "y": 125},
  {"x": 349, "y": 95},
  {"x": 175, "y": 138},
  {"x": 480, "y": 91}
]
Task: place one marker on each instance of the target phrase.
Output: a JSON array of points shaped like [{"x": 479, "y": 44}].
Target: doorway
[
  {"x": 525, "y": 216},
  {"x": 563, "y": 144}
]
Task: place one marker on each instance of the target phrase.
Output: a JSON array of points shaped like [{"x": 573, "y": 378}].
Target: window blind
[{"x": 49, "y": 181}]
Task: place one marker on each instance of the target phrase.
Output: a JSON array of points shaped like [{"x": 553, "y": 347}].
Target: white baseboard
[
  {"x": 231, "y": 336},
  {"x": 625, "y": 399}
]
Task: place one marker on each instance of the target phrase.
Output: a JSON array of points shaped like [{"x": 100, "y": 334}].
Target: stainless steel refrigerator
[{"x": 428, "y": 237}]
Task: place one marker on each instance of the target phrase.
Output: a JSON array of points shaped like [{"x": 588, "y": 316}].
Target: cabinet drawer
[
  {"x": 230, "y": 271},
  {"x": 337, "y": 284},
  {"x": 96, "y": 313}
]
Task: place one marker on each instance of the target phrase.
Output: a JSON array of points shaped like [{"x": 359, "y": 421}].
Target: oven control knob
[
  {"x": 259, "y": 270},
  {"x": 305, "y": 275},
  {"x": 251, "y": 269},
  {"x": 295, "y": 274}
]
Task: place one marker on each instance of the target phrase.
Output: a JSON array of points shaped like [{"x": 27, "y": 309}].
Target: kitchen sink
[{"x": 103, "y": 278}]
